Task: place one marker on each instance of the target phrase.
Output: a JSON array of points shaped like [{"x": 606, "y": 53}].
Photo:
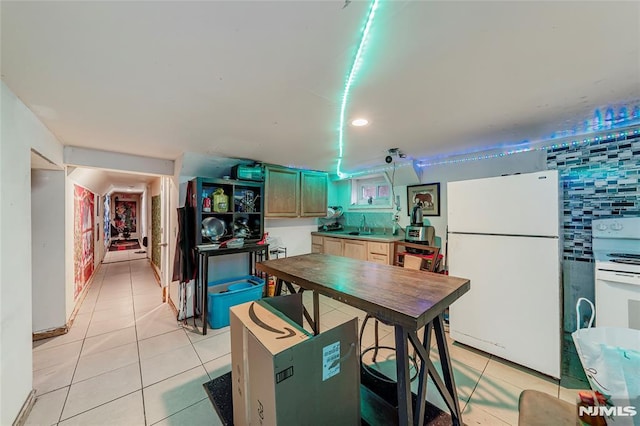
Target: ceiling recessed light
[{"x": 360, "y": 122}]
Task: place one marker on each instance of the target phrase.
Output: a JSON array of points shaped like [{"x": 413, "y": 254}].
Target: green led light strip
[{"x": 352, "y": 72}]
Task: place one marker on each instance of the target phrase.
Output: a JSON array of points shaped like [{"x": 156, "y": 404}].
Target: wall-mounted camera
[{"x": 394, "y": 152}]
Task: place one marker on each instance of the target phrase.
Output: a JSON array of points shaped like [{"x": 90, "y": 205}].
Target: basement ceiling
[{"x": 264, "y": 80}]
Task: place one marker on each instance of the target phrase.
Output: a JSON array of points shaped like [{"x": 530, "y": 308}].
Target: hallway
[{"x": 126, "y": 360}]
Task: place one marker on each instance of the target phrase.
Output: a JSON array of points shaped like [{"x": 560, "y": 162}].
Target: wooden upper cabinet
[
  {"x": 293, "y": 192},
  {"x": 282, "y": 192},
  {"x": 313, "y": 194}
]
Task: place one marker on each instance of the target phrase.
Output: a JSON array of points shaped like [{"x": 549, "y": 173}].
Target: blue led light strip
[
  {"x": 347, "y": 87},
  {"x": 546, "y": 147}
]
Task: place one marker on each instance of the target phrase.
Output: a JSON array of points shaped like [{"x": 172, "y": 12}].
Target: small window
[{"x": 371, "y": 191}]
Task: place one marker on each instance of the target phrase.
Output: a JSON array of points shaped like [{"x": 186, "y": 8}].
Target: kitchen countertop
[{"x": 375, "y": 236}]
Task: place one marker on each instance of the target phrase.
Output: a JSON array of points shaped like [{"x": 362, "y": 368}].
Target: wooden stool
[{"x": 540, "y": 409}]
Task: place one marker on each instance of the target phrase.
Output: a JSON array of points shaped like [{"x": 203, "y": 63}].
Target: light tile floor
[{"x": 127, "y": 361}]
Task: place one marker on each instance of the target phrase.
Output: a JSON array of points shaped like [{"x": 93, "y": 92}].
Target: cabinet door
[
  {"x": 333, "y": 246},
  {"x": 317, "y": 244},
  {"x": 355, "y": 249},
  {"x": 281, "y": 192},
  {"x": 378, "y": 248},
  {"x": 313, "y": 194},
  {"x": 379, "y": 252}
]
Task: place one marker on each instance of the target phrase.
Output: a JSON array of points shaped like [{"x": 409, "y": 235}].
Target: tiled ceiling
[{"x": 264, "y": 79}]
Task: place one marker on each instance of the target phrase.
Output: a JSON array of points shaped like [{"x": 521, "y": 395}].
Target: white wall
[
  {"x": 294, "y": 234},
  {"x": 47, "y": 235},
  {"x": 20, "y": 131},
  {"x": 109, "y": 160}
]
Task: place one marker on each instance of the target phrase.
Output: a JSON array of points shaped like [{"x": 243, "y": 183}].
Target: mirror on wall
[{"x": 371, "y": 191}]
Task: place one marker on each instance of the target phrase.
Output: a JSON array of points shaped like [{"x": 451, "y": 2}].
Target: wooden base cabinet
[
  {"x": 354, "y": 249},
  {"x": 380, "y": 252},
  {"x": 332, "y": 246},
  {"x": 373, "y": 251},
  {"x": 316, "y": 244}
]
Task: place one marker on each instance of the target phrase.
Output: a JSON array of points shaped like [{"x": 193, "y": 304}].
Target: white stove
[
  {"x": 626, "y": 261},
  {"x": 616, "y": 250}
]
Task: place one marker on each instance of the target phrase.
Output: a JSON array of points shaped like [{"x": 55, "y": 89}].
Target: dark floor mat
[
  {"x": 219, "y": 391},
  {"x": 387, "y": 391}
]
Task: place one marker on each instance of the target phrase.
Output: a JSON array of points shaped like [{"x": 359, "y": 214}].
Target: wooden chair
[
  {"x": 536, "y": 408},
  {"x": 413, "y": 262},
  {"x": 424, "y": 262}
]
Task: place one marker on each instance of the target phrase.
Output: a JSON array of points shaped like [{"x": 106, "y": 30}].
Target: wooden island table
[{"x": 406, "y": 299}]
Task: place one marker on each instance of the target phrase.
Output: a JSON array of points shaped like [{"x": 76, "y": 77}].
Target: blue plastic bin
[{"x": 223, "y": 294}]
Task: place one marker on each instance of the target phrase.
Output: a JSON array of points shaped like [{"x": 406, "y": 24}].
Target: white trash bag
[{"x": 610, "y": 357}]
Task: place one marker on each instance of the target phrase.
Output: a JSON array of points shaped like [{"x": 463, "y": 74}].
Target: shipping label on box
[{"x": 330, "y": 360}]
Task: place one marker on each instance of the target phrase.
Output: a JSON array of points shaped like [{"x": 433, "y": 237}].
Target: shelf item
[
  {"x": 248, "y": 172},
  {"x": 220, "y": 202},
  {"x": 237, "y": 204},
  {"x": 295, "y": 193},
  {"x": 213, "y": 228},
  {"x": 223, "y": 294}
]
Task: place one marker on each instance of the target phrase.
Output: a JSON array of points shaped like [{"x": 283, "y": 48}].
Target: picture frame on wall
[{"x": 428, "y": 194}]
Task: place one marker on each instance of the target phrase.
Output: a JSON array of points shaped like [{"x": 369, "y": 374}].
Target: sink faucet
[{"x": 363, "y": 224}]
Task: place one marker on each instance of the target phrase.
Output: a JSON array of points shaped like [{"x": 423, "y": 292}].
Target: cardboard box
[{"x": 281, "y": 374}]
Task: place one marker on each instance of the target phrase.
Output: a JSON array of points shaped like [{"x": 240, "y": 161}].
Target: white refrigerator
[{"x": 504, "y": 237}]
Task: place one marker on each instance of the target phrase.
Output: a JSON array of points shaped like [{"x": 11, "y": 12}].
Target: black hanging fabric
[{"x": 184, "y": 263}]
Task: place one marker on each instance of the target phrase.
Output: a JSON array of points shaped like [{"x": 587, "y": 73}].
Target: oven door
[{"x": 617, "y": 299}]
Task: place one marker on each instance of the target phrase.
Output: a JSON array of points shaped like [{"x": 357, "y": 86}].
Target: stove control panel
[{"x": 623, "y": 227}]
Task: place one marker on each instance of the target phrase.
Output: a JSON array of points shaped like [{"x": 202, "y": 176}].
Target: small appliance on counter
[
  {"x": 416, "y": 214},
  {"x": 420, "y": 234},
  {"x": 417, "y": 232}
]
